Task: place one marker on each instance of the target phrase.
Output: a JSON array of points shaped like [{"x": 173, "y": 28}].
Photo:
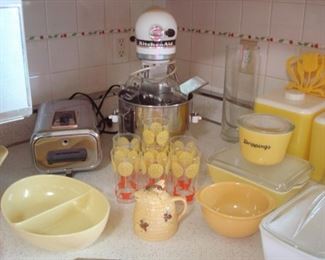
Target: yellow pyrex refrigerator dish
[
  {"x": 282, "y": 181},
  {"x": 317, "y": 149},
  {"x": 264, "y": 138},
  {"x": 55, "y": 212},
  {"x": 297, "y": 107}
]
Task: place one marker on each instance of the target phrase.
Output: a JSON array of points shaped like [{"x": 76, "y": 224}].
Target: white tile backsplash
[
  {"x": 34, "y": 18},
  {"x": 61, "y": 16},
  {"x": 38, "y": 57},
  {"x": 91, "y": 15},
  {"x": 255, "y": 17},
  {"x": 92, "y": 79},
  {"x": 287, "y": 20},
  {"x": 277, "y": 57},
  {"x": 218, "y": 77},
  {"x": 41, "y": 88},
  {"x": 117, "y": 73},
  {"x": 204, "y": 15},
  {"x": 136, "y": 9},
  {"x": 202, "y": 48},
  {"x": 183, "y": 70},
  {"x": 182, "y": 12},
  {"x": 132, "y": 50},
  {"x": 117, "y": 14},
  {"x": 63, "y": 54},
  {"x": 220, "y": 44},
  {"x": 184, "y": 43},
  {"x": 263, "y": 54},
  {"x": 203, "y": 71},
  {"x": 64, "y": 84},
  {"x": 313, "y": 28},
  {"x": 273, "y": 84},
  {"x": 228, "y": 16},
  {"x": 92, "y": 51}
]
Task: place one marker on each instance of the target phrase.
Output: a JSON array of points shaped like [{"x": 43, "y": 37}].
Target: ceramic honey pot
[{"x": 155, "y": 216}]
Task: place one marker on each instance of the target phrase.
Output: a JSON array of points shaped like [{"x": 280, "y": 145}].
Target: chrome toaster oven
[{"x": 65, "y": 138}]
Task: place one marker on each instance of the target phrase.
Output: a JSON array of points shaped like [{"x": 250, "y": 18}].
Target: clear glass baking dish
[
  {"x": 297, "y": 229},
  {"x": 282, "y": 180}
]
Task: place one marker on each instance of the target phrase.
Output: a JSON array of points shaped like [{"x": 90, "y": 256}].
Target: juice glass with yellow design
[
  {"x": 126, "y": 165},
  {"x": 127, "y": 140},
  {"x": 154, "y": 166},
  {"x": 185, "y": 160},
  {"x": 155, "y": 133}
]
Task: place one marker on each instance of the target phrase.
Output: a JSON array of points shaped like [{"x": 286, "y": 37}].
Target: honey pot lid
[
  {"x": 153, "y": 193},
  {"x": 291, "y": 173}
]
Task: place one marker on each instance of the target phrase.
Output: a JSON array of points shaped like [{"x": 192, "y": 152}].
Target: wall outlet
[{"x": 120, "y": 48}]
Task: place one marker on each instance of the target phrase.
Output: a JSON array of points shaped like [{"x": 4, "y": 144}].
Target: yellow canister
[
  {"x": 297, "y": 107},
  {"x": 317, "y": 149},
  {"x": 264, "y": 138}
]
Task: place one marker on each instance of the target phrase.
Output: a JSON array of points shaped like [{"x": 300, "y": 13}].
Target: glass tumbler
[
  {"x": 240, "y": 87},
  {"x": 155, "y": 134},
  {"x": 127, "y": 140},
  {"x": 185, "y": 162},
  {"x": 126, "y": 165},
  {"x": 154, "y": 166}
]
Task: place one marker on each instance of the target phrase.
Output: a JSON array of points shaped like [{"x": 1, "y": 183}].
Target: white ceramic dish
[
  {"x": 297, "y": 229},
  {"x": 55, "y": 212}
]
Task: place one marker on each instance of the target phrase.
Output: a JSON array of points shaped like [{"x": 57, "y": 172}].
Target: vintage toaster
[{"x": 65, "y": 138}]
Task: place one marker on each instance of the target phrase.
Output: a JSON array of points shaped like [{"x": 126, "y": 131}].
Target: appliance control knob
[
  {"x": 170, "y": 32},
  {"x": 132, "y": 38}
]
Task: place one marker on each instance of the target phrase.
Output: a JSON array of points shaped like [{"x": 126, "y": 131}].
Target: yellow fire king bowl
[
  {"x": 263, "y": 138},
  {"x": 234, "y": 209},
  {"x": 54, "y": 212}
]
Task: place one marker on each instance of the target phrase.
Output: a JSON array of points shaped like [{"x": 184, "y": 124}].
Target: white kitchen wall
[
  {"x": 71, "y": 44},
  {"x": 283, "y": 28},
  {"x": 70, "y": 48}
]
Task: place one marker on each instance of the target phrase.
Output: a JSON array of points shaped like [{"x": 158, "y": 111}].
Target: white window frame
[{"x": 19, "y": 112}]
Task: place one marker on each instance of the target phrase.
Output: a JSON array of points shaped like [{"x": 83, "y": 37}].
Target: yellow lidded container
[
  {"x": 298, "y": 108},
  {"x": 282, "y": 181},
  {"x": 317, "y": 149},
  {"x": 264, "y": 138}
]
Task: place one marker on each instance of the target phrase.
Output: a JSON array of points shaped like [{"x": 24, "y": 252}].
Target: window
[{"x": 15, "y": 96}]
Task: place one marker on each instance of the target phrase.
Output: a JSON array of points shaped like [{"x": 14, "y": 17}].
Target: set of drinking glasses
[{"x": 141, "y": 161}]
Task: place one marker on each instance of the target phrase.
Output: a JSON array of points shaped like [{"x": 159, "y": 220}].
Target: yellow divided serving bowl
[
  {"x": 55, "y": 212},
  {"x": 263, "y": 138},
  {"x": 234, "y": 209}
]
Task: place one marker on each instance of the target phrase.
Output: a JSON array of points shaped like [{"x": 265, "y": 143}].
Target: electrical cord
[
  {"x": 102, "y": 121},
  {"x": 105, "y": 95}
]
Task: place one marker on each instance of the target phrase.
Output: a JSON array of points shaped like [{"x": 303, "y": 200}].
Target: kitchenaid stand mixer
[{"x": 153, "y": 90}]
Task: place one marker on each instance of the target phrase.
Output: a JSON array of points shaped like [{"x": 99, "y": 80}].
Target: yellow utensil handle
[{"x": 290, "y": 70}]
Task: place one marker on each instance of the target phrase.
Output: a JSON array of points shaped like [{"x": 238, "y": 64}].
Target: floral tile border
[
  {"x": 77, "y": 34},
  {"x": 183, "y": 29},
  {"x": 254, "y": 37}
]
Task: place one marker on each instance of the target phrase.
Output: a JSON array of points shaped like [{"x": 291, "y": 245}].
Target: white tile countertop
[{"x": 193, "y": 240}]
